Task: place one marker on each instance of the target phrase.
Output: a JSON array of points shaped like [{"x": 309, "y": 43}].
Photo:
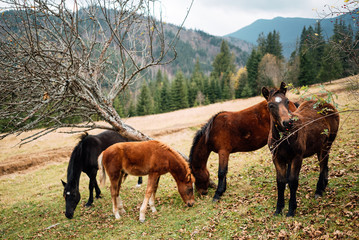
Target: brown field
[
  {"x": 168, "y": 127},
  {"x": 32, "y": 206}
]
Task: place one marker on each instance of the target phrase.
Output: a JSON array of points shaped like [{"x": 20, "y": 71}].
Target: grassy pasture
[{"x": 32, "y": 206}]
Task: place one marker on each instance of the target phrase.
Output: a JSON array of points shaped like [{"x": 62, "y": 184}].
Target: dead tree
[{"x": 60, "y": 62}]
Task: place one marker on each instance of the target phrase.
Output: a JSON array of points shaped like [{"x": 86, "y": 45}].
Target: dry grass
[{"x": 31, "y": 201}]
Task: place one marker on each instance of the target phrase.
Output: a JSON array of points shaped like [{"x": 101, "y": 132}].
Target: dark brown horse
[
  {"x": 226, "y": 133},
  {"x": 309, "y": 130},
  {"x": 150, "y": 158}
]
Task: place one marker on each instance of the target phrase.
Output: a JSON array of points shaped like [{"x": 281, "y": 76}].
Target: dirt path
[{"x": 57, "y": 146}]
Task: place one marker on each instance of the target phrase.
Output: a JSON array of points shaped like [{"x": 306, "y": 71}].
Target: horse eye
[{"x": 271, "y": 105}]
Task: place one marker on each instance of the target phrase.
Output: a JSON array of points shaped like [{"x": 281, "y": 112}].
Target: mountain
[
  {"x": 290, "y": 29},
  {"x": 196, "y": 44},
  {"x": 191, "y": 46}
]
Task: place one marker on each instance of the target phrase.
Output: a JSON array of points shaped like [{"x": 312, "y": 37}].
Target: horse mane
[
  {"x": 178, "y": 156},
  {"x": 75, "y": 157},
  {"x": 273, "y": 92},
  {"x": 205, "y": 130},
  {"x": 83, "y": 136}
]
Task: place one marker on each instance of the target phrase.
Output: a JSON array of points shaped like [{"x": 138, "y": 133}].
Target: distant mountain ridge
[
  {"x": 290, "y": 30},
  {"x": 194, "y": 45}
]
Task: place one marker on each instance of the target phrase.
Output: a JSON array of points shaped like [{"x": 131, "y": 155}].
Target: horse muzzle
[
  {"x": 288, "y": 124},
  {"x": 69, "y": 215},
  {"x": 190, "y": 203}
]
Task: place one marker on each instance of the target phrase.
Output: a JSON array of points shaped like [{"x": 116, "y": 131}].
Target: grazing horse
[
  {"x": 150, "y": 158},
  {"x": 309, "y": 130},
  {"x": 84, "y": 159},
  {"x": 225, "y": 133}
]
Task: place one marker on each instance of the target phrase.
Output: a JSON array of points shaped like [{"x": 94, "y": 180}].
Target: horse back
[
  {"x": 318, "y": 126},
  {"x": 93, "y": 145},
  {"x": 245, "y": 130},
  {"x": 136, "y": 158}
]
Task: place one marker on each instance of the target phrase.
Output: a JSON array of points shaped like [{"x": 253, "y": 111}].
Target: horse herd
[{"x": 292, "y": 133}]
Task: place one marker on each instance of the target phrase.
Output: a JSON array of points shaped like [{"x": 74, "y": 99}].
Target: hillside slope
[{"x": 57, "y": 146}]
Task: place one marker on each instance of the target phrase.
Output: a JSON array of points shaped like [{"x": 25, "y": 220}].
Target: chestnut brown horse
[
  {"x": 309, "y": 130},
  {"x": 226, "y": 133},
  {"x": 150, "y": 158}
]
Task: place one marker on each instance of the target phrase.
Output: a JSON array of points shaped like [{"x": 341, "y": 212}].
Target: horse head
[
  {"x": 185, "y": 188},
  {"x": 202, "y": 180},
  {"x": 280, "y": 108},
  {"x": 72, "y": 197}
]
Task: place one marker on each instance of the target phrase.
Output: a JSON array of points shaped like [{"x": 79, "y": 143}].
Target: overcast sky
[{"x": 221, "y": 17}]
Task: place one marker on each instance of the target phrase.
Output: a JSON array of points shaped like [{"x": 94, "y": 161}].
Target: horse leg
[
  {"x": 293, "y": 184},
  {"x": 139, "y": 182},
  {"x": 323, "y": 158},
  {"x": 281, "y": 182},
  {"x": 152, "y": 198},
  {"x": 97, "y": 189},
  {"x": 149, "y": 190},
  {"x": 92, "y": 177},
  {"x": 222, "y": 173},
  {"x": 116, "y": 200}
]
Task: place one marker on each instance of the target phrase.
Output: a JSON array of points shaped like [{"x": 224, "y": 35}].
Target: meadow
[{"x": 32, "y": 205}]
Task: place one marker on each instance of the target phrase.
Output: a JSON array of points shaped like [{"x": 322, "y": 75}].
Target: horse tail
[{"x": 102, "y": 170}]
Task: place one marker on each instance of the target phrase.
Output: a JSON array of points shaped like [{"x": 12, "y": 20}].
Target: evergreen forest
[{"x": 315, "y": 60}]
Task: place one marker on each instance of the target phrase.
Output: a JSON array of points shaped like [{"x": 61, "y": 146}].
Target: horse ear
[
  {"x": 63, "y": 183},
  {"x": 283, "y": 88},
  {"x": 265, "y": 93}
]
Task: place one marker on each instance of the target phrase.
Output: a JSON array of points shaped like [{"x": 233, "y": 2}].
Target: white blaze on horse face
[
  {"x": 68, "y": 193},
  {"x": 278, "y": 99}
]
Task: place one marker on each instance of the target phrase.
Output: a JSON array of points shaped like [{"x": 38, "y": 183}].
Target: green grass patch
[{"x": 32, "y": 206}]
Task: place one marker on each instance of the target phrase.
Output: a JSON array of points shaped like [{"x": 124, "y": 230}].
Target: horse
[
  {"x": 84, "y": 159},
  {"x": 226, "y": 133},
  {"x": 151, "y": 158},
  {"x": 309, "y": 130}
]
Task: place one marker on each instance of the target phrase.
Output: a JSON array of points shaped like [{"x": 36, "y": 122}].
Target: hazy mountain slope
[{"x": 290, "y": 30}]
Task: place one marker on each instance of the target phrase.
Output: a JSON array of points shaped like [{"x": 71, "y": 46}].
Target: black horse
[{"x": 84, "y": 159}]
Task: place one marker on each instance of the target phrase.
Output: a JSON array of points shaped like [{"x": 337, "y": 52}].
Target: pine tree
[
  {"x": 179, "y": 97},
  {"x": 145, "y": 102},
  {"x": 252, "y": 70},
  {"x": 331, "y": 67},
  {"x": 156, "y": 87},
  {"x": 223, "y": 69},
  {"x": 307, "y": 73},
  {"x": 118, "y": 106},
  {"x": 165, "y": 100},
  {"x": 195, "y": 84}
]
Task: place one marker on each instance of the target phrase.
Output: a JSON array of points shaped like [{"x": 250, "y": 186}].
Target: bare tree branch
[{"x": 60, "y": 63}]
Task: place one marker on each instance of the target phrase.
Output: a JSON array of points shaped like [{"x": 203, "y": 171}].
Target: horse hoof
[
  {"x": 142, "y": 220},
  {"x": 88, "y": 205},
  {"x": 215, "y": 200},
  {"x": 290, "y": 214},
  {"x": 138, "y": 185},
  {"x": 97, "y": 197},
  {"x": 123, "y": 211},
  {"x": 317, "y": 195},
  {"x": 277, "y": 213}
]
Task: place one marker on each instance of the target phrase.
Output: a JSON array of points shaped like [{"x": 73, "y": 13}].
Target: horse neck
[
  {"x": 199, "y": 152},
  {"x": 74, "y": 170},
  {"x": 178, "y": 168}
]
